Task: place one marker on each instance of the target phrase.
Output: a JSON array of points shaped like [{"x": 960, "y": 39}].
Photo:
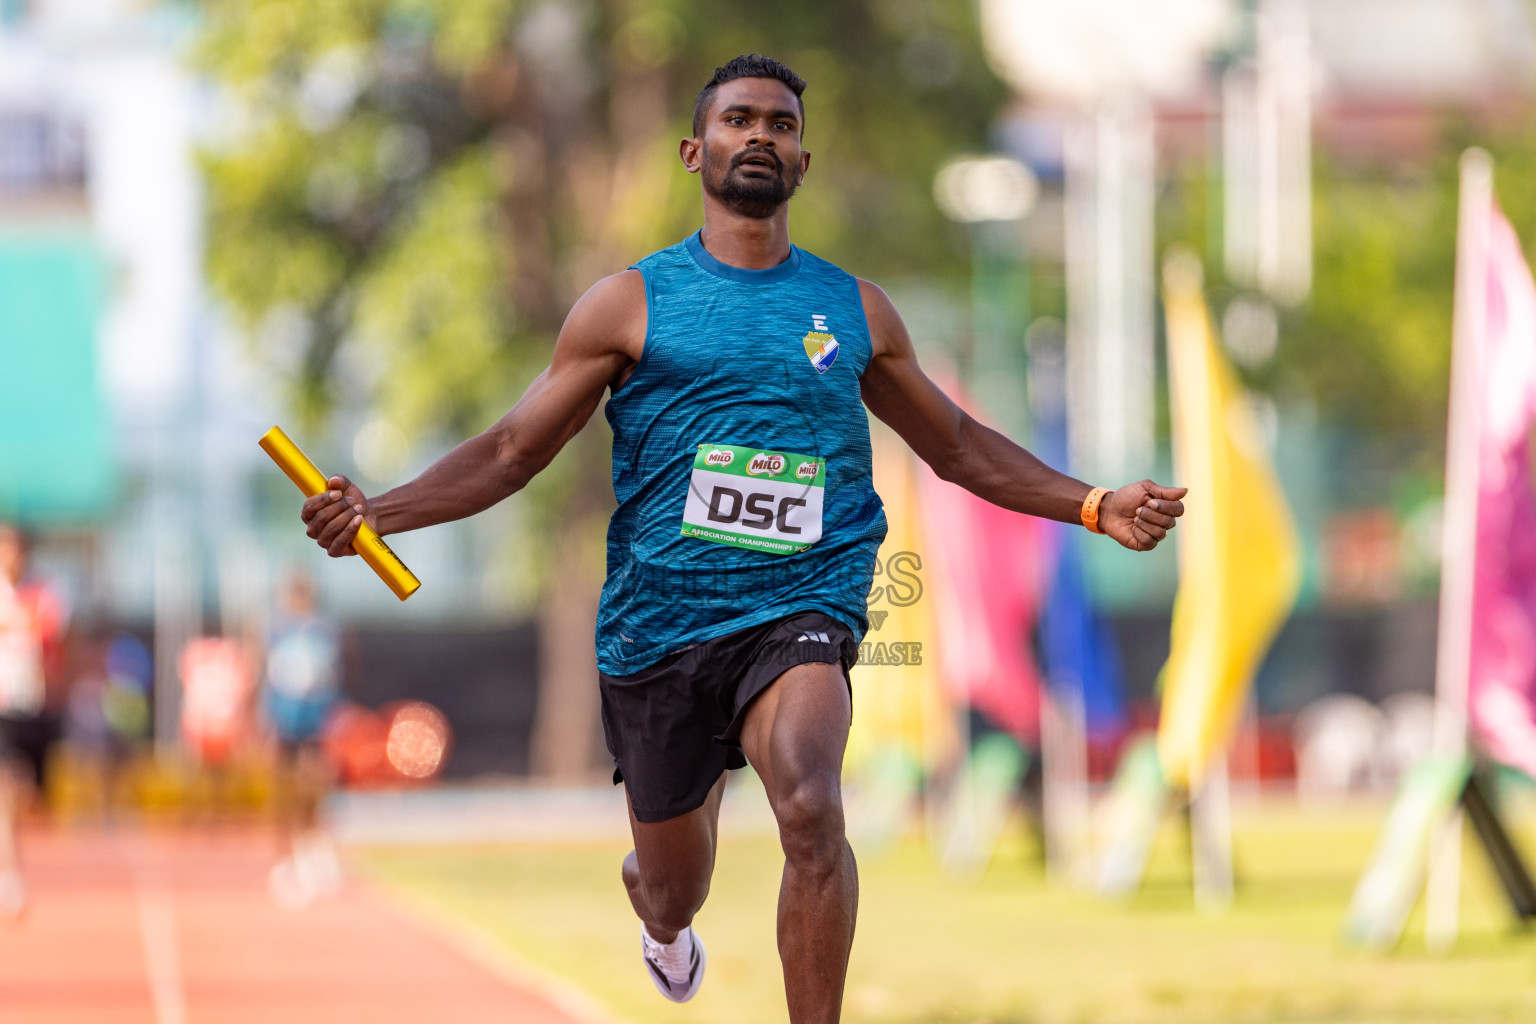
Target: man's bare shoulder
[
  {"x": 609, "y": 317},
  {"x": 887, "y": 332},
  {"x": 615, "y": 299},
  {"x": 616, "y": 291},
  {"x": 874, "y": 298}
]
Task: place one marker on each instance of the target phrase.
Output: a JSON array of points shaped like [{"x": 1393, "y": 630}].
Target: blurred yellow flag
[
  {"x": 901, "y": 707},
  {"x": 1239, "y": 554}
]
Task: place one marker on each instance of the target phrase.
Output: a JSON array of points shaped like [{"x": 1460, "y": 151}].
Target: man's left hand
[{"x": 1140, "y": 515}]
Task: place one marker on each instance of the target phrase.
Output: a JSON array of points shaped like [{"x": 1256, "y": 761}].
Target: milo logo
[
  {"x": 807, "y": 470},
  {"x": 720, "y": 458},
  {"x": 764, "y": 464}
]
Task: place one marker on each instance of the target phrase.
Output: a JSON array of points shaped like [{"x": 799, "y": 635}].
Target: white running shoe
[
  {"x": 289, "y": 885},
  {"x": 677, "y": 968},
  {"x": 317, "y": 861}
]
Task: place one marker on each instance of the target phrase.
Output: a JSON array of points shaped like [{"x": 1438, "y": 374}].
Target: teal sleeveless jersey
[{"x": 741, "y": 457}]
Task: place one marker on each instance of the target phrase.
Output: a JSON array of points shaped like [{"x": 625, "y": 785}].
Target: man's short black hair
[{"x": 748, "y": 65}]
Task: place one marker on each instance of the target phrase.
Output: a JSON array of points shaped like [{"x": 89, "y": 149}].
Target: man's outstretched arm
[
  {"x": 602, "y": 336},
  {"x": 981, "y": 460}
]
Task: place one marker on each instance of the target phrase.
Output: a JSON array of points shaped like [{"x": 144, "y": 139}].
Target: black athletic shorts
[
  {"x": 26, "y": 740},
  {"x": 675, "y": 726}
]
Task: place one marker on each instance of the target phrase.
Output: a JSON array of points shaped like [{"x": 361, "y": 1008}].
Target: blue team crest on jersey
[
  {"x": 821, "y": 349},
  {"x": 820, "y": 346}
]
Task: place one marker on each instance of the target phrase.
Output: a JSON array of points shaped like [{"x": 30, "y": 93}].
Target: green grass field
[{"x": 1007, "y": 948}]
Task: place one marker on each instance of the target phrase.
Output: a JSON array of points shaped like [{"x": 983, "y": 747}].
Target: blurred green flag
[{"x": 1239, "y": 554}]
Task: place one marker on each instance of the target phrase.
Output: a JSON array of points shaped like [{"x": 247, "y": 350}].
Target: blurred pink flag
[
  {"x": 1502, "y": 682},
  {"x": 990, "y": 566},
  {"x": 985, "y": 600}
]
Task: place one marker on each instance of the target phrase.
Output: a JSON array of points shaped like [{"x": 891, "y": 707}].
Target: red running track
[{"x": 135, "y": 927}]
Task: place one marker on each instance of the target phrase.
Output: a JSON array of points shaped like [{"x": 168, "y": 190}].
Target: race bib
[{"x": 750, "y": 498}]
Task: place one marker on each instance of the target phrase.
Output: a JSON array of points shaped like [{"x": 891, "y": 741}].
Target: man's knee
[
  {"x": 673, "y": 905},
  {"x": 670, "y": 899},
  {"x": 810, "y": 820}
]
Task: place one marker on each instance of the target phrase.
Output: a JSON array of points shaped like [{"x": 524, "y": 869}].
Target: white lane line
[
  {"x": 157, "y": 927},
  {"x": 480, "y": 946}
]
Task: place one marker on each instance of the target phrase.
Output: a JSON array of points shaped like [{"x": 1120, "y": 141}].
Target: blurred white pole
[
  {"x": 1210, "y": 834},
  {"x": 1267, "y": 157},
  {"x": 1442, "y": 893},
  {"x": 1459, "y": 536},
  {"x": 244, "y": 587},
  {"x": 175, "y": 608},
  {"x": 1136, "y": 311},
  {"x": 1240, "y": 175},
  {"x": 1079, "y": 249},
  {"x": 1064, "y": 783},
  {"x": 1247, "y": 753},
  {"x": 1108, "y": 298},
  {"x": 1285, "y": 57},
  {"x": 1109, "y": 247}
]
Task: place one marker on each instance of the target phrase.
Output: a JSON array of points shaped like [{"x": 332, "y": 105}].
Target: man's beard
[{"x": 758, "y": 198}]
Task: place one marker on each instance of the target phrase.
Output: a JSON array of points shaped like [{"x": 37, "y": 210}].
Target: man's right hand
[{"x": 332, "y": 517}]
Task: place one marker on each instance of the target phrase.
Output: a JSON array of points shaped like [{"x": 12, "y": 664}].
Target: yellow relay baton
[{"x": 367, "y": 543}]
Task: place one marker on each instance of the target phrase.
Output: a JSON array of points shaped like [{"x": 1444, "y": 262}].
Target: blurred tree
[
  {"x": 428, "y": 185},
  {"x": 1371, "y": 346}
]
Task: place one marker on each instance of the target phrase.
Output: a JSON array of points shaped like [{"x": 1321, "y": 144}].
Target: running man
[
  {"x": 33, "y": 623},
  {"x": 301, "y": 688},
  {"x": 739, "y": 369}
]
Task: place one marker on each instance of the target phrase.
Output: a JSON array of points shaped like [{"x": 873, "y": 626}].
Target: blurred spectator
[
  {"x": 1337, "y": 741},
  {"x": 218, "y": 693},
  {"x": 216, "y": 683},
  {"x": 130, "y": 671},
  {"x": 301, "y": 688},
  {"x": 1363, "y": 557},
  {"x": 32, "y": 624},
  {"x": 107, "y": 714}
]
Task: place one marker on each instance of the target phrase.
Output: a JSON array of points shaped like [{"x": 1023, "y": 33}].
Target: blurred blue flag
[{"x": 1078, "y": 645}]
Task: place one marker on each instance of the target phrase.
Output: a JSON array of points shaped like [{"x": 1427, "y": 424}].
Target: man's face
[
  {"x": 298, "y": 596},
  {"x": 749, "y": 154}
]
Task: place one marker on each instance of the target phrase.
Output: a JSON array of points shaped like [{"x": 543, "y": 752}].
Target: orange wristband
[{"x": 1091, "y": 508}]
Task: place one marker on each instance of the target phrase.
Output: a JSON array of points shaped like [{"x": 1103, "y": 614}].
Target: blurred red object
[
  {"x": 216, "y": 681},
  {"x": 1362, "y": 563},
  {"x": 353, "y": 743},
  {"x": 419, "y": 740},
  {"x": 1262, "y": 751},
  {"x": 404, "y": 743}
]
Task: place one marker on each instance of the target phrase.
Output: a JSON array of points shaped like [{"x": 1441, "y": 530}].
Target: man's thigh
[
  {"x": 660, "y": 725},
  {"x": 797, "y": 729}
]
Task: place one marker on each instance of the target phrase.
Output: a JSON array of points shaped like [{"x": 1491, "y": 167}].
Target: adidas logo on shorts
[{"x": 818, "y": 637}]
